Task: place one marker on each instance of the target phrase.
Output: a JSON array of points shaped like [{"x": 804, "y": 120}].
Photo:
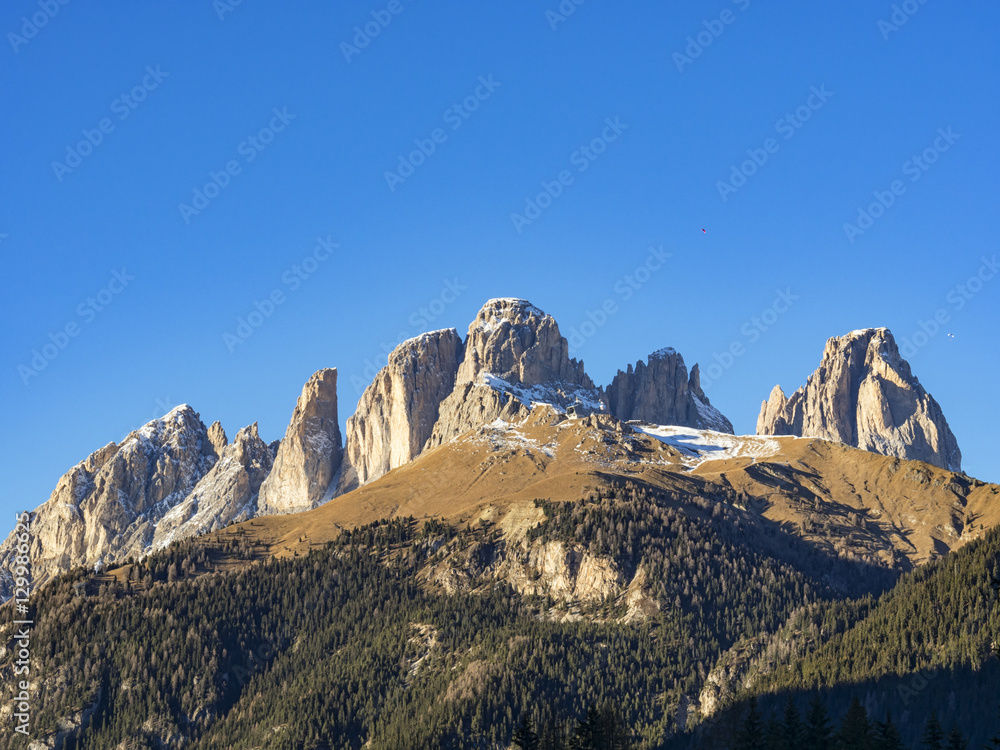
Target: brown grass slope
[{"x": 852, "y": 502}]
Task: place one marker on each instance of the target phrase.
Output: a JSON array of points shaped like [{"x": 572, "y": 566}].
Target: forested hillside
[
  {"x": 208, "y": 645},
  {"x": 925, "y": 647}
]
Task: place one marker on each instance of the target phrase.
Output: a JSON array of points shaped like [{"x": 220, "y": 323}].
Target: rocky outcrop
[
  {"x": 516, "y": 342},
  {"x": 310, "y": 454},
  {"x": 771, "y": 420},
  {"x": 107, "y": 507},
  {"x": 514, "y": 356},
  {"x": 662, "y": 392},
  {"x": 173, "y": 479},
  {"x": 227, "y": 493},
  {"x": 865, "y": 395},
  {"x": 566, "y": 572},
  {"x": 397, "y": 412},
  {"x": 217, "y": 440}
]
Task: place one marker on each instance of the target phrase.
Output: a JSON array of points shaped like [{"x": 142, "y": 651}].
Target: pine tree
[
  {"x": 818, "y": 733},
  {"x": 995, "y": 740},
  {"x": 525, "y": 737},
  {"x": 774, "y": 734},
  {"x": 933, "y": 734},
  {"x": 956, "y": 740},
  {"x": 855, "y": 729},
  {"x": 613, "y": 732},
  {"x": 791, "y": 725},
  {"x": 887, "y": 735},
  {"x": 552, "y": 737},
  {"x": 588, "y": 732},
  {"x": 752, "y": 735}
]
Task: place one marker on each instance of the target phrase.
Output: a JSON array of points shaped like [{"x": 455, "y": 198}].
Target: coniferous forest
[{"x": 210, "y": 644}]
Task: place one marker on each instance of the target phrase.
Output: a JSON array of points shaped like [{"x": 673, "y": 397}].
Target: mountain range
[
  {"x": 503, "y": 444},
  {"x": 174, "y": 478}
]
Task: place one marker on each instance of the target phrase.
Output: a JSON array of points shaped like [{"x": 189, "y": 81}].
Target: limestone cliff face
[
  {"x": 512, "y": 358},
  {"x": 662, "y": 392},
  {"x": 173, "y": 479},
  {"x": 106, "y": 508},
  {"x": 565, "y": 572},
  {"x": 865, "y": 395},
  {"x": 514, "y": 355},
  {"x": 227, "y": 493},
  {"x": 310, "y": 454},
  {"x": 397, "y": 412}
]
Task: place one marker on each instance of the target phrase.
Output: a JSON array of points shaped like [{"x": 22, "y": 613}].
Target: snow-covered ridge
[
  {"x": 710, "y": 415},
  {"x": 667, "y": 351},
  {"x": 507, "y": 306},
  {"x": 177, "y": 417},
  {"x": 865, "y": 331},
  {"x": 424, "y": 336},
  {"x": 559, "y": 396},
  {"x": 522, "y": 303},
  {"x": 699, "y": 446}
]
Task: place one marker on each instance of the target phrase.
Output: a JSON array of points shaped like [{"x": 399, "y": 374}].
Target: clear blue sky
[{"x": 181, "y": 92}]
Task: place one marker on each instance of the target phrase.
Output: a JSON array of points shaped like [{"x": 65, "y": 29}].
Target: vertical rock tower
[
  {"x": 662, "y": 392},
  {"x": 864, "y": 394},
  {"x": 397, "y": 412},
  {"x": 310, "y": 454}
]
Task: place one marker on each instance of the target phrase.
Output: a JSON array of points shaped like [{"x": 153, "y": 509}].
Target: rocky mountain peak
[
  {"x": 107, "y": 507},
  {"x": 518, "y": 343},
  {"x": 226, "y": 493},
  {"x": 514, "y": 356},
  {"x": 662, "y": 392},
  {"x": 397, "y": 412},
  {"x": 310, "y": 454},
  {"x": 864, "y": 394}
]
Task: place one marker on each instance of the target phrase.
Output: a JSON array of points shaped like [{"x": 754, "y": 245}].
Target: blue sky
[{"x": 770, "y": 125}]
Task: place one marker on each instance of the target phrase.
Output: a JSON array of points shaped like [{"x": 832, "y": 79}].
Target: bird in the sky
[{"x": 703, "y": 231}]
